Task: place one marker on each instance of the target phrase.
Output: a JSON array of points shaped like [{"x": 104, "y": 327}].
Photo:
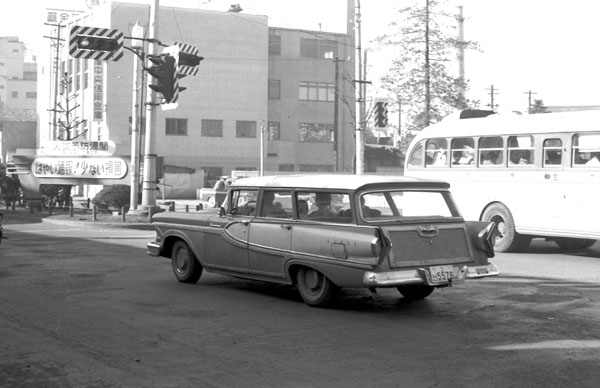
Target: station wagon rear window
[{"x": 400, "y": 204}]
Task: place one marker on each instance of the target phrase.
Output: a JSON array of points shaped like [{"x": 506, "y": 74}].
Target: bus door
[{"x": 582, "y": 186}]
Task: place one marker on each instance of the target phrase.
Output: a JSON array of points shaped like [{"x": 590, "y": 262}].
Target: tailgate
[{"x": 429, "y": 244}]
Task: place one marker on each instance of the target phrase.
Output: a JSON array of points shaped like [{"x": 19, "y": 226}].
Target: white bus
[{"x": 533, "y": 175}]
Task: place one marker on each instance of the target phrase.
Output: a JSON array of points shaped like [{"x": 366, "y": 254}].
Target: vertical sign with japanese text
[{"x": 98, "y": 90}]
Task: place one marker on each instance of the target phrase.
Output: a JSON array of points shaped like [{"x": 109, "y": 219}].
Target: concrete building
[
  {"x": 255, "y": 84},
  {"x": 18, "y": 96}
]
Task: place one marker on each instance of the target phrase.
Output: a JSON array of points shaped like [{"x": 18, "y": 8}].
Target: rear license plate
[{"x": 441, "y": 273}]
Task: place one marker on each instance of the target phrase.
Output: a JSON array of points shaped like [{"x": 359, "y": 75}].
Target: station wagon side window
[
  {"x": 243, "y": 202},
  {"x": 276, "y": 204},
  {"x": 324, "y": 206},
  {"x": 399, "y": 204}
]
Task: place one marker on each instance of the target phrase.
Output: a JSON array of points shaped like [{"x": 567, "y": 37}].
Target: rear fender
[{"x": 482, "y": 235}]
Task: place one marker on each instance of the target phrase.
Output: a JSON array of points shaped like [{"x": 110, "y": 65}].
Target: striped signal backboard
[
  {"x": 78, "y": 33},
  {"x": 191, "y": 50}
]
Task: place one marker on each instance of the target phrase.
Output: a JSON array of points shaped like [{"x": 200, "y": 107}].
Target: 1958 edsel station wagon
[{"x": 324, "y": 232}]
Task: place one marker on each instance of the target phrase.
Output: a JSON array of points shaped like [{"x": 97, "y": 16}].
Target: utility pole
[
  {"x": 461, "y": 56},
  {"x": 427, "y": 69},
  {"x": 137, "y": 31},
  {"x": 360, "y": 128},
  {"x": 56, "y": 43},
  {"x": 493, "y": 92},
  {"x": 336, "y": 122},
  {"x": 529, "y": 94},
  {"x": 149, "y": 179}
]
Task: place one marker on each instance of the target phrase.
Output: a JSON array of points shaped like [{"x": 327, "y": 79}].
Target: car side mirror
[{"x": 221, "y": 211}]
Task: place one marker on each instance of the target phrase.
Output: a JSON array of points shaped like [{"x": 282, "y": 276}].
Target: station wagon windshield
[{"x": 400, "y": 204}]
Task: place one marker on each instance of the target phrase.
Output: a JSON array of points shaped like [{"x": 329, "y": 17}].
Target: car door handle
[{"x": 286, "y": 226}]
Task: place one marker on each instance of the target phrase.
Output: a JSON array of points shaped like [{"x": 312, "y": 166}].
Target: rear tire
[
  {"x": 186, "y": 267},
  {"x": 314, "y": 287},
  {"x": 415, "y": 291},
  {"x": 572, "y": 244},
  {"x": 507, "y": 239}
]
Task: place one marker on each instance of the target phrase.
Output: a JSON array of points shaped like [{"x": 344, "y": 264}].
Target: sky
[{"x": 546, "y": 47}]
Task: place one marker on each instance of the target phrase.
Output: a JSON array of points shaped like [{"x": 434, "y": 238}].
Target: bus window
[
  {"x": 520, "y": 150},
  {"x": 552, "y": 152},
  {"x": 416, "y": 156},
  {"x": 490, "y": 150},
  {"x": 462, "y": 151},
  {"x": 436, "y": 152},
  {"x": 586, "y": 150}
]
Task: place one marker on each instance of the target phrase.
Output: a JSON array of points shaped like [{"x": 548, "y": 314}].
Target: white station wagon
[{"x": 324, "y": 232}]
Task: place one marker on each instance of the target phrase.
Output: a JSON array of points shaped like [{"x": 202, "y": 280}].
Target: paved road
[{"x": 87, "y": 308}]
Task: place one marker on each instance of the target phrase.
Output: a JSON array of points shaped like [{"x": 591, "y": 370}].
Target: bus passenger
[{"x": 593, "y": 160}]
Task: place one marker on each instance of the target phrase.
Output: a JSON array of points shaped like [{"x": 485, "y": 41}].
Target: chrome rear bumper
[{"x": 422, "y": 276}]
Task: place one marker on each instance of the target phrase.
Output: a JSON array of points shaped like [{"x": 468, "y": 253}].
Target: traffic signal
[
  {"x": 165, "y": 72},
  {"x": 95, "y": 43},
  {"x": 381, "y": 114}
]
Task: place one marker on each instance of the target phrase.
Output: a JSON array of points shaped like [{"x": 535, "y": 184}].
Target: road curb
[{"x": 99, "y": 224}]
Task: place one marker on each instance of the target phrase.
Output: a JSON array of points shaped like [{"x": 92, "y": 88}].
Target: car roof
[{"x": 336, "y": 181}]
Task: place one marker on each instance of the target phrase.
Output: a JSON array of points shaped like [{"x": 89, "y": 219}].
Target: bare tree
[{"x": 427, "y": 44}]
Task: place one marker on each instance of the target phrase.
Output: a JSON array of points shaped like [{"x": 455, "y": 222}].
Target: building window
[
  {"x": 274, "y": 44},
  {"x": 77, "y": 74},
  {"x": 212, "y": 128},
  {"x": 30, "y": 75},
  {"x": 15, "y": 94},
  {"x": 274, "y": 130},
  {"x": 30, "y": 94},
  {"x": 86, "y": 75},
  {"x": 176, "y": 127},
  {"x": 274, "y": 89},
  {"x": 315, "y": 168},
  {"x": 318, "y": 48},
  {"x": 316, "y": 133},
  {"x": 314, "y": 91},
  {"x": 69, "y": 76},
  {"x": 245, "y": 128}
]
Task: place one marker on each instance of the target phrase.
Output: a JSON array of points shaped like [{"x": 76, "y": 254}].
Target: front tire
[
  {"x": 186, "y": 267},
  {"x": 507, "y": 239},
  {"x": 314, "y": 287},
  {"x": 415, "y": 291}
]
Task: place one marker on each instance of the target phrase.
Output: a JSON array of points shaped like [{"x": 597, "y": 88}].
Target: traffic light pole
[{"x": 149, "y": 178}]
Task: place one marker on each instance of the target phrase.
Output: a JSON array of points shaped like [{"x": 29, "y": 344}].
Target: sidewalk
[{"x": 84, "y": 217}]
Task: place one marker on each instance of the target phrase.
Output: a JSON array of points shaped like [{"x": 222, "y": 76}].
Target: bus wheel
[
  {"x": 574, "y": 243},
  {"x": 507, "y": 239}
]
